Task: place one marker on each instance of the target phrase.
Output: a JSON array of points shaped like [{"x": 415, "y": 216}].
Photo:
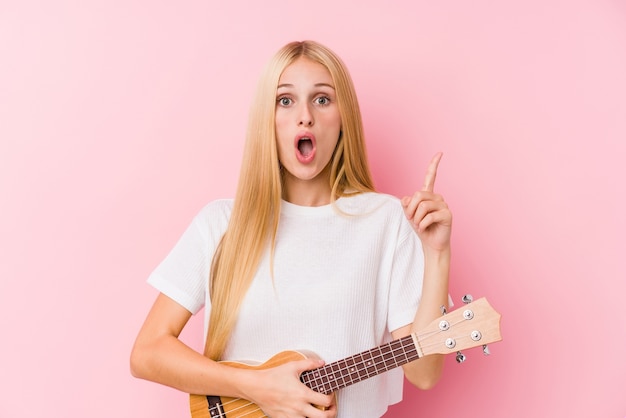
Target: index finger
[{"x": 431, "y": 173}]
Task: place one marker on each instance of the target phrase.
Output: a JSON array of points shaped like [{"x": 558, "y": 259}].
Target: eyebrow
[{"x": 316, "y": 85}]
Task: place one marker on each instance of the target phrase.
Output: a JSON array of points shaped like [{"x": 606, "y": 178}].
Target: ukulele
[{"x": 475, "y": 324}]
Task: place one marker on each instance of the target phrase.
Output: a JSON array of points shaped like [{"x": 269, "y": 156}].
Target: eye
[
  {"x": 284, "y": 101},
  {"x": 322, "y": 100}
]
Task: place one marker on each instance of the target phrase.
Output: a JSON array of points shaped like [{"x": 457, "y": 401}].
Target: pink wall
[{"x": 119, "y": 120}]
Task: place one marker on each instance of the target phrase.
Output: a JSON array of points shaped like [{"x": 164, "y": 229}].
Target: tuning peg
[
  {"x": 486, "y": 350},
  {"x": 467, "y": 299},
  {"x": 460, "y": 357}
]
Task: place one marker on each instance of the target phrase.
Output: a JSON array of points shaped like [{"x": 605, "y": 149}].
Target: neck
[{"x": 313, "y": 192}]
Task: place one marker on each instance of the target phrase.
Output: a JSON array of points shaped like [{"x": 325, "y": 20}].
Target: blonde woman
[{"x": 306, "y": 256}]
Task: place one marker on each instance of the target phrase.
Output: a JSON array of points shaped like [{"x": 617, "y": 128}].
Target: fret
[
  {"x": 377, "y": 356},
  {"x": 325, "y": 379},
  {"x": 389, "y": 359},
  {"x": 368, "y": 361},
  {"x": 399, "y": 358},
  {"x": 400, "y": 352},
  {"x": 338, "y": 373},
  {"x": 352, "y": 369},
  {"x": 345, "y": 372}
]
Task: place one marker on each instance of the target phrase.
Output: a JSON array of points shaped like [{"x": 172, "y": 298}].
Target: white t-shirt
[{"x": 341, "y": 284}]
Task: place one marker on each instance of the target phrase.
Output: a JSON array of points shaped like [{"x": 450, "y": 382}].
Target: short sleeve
[{"x": 184, "y": 273}]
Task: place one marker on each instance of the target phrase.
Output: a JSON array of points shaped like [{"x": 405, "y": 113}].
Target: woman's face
[{"x": 307, "y": 130}]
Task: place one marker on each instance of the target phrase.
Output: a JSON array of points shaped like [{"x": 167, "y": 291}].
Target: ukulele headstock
[{"x": 472, "y": 325}]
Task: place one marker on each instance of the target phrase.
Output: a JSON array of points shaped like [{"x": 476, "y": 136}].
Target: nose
[{"x": 305, "y": 116}]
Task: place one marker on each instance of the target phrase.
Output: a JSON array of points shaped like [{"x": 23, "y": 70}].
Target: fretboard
[{"x": 343, "y": 373}]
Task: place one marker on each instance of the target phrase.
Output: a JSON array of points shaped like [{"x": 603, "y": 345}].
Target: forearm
[
  {"x": 158, "y": 355},
  {"x": 434, "y": 289},
  {"x": 425, "y": 372},
  {"x": 167, "y": 360}
]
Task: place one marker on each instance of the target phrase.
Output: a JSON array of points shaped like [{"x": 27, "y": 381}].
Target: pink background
[{"x": 119, "y": 120}]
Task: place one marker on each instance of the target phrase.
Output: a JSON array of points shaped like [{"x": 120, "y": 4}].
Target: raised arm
[{"x": 432, "y": 221}]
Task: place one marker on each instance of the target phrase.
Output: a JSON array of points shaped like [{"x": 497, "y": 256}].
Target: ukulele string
[{"x": 240, "y": 407}]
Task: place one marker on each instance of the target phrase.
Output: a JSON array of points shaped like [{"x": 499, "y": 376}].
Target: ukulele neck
[{"x": 340, "y": 374}]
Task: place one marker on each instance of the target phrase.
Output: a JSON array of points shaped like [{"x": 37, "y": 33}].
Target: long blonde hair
[{"x": 256, "y": 210}]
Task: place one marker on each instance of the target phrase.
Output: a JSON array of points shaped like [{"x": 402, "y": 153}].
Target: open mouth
[{"x": 305, "y": 146}]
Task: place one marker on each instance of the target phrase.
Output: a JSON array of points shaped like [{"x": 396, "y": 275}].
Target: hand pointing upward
[{"x": 428, "y": 212}]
